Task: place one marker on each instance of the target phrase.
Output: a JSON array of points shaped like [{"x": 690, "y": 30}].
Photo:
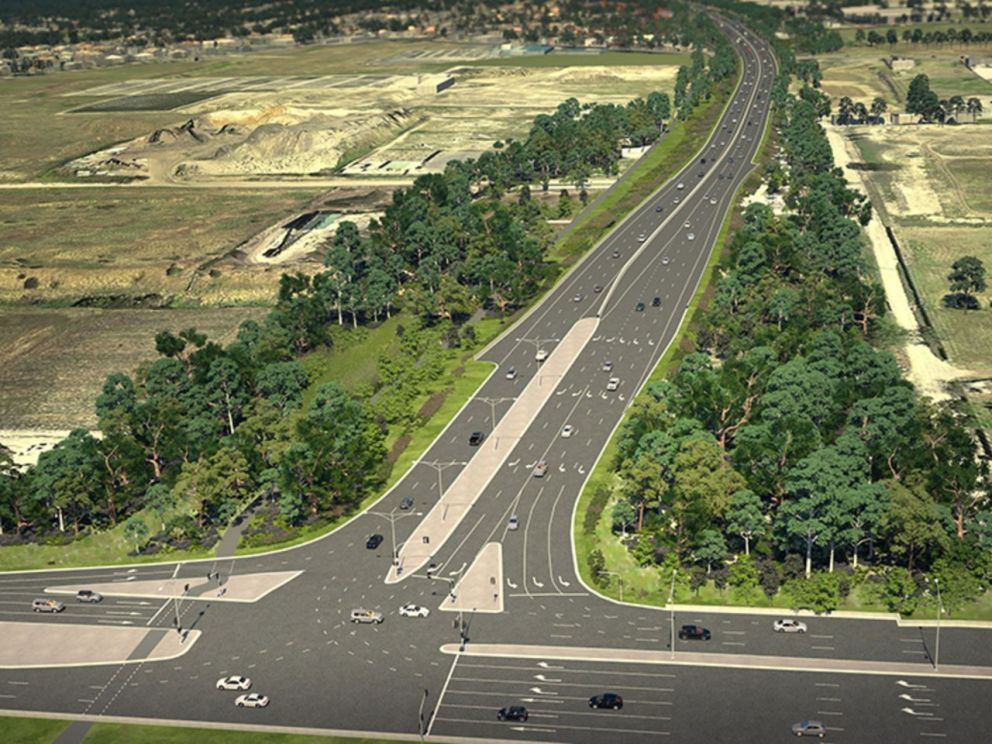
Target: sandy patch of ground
[{"x": 927, "y": 372}]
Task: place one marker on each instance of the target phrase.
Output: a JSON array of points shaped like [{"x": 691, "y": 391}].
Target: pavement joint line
[{"x": 724, "y": 661}]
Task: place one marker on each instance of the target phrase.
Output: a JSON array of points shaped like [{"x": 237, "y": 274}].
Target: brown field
[{"x": 54, "y": 361}]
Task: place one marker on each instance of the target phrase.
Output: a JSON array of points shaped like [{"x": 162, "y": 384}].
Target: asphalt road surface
[{"x": 321, "y": 671}]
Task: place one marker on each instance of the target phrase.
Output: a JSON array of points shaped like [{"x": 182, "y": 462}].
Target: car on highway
[
  {"x": 541, "y": 355},
  {"x": 607, "y": 366},
  {"x": 513, "y": 523},
  {"x": 252, "y": 700},
  {"x": 406, "y": 503},
  {"x": 577, "y": 298},
  {"x": 412, "y": 610},
  {"x": 608, "y": 700},
  {"x": 612, "y": 384},
  {"x": 47, "y": 605},
  {"x": 361, "y": 615},
  {"x": 89, "y": 596},
  {"x": 476, "y": 438},
  {"x": 641, "y": 238},
  {"x": 656, "y": 302},
  {"x": 598, "y": 288},
  {"x": 687, "y": 225},
  {"x": 616, "y": 253},
  {"x": 664, "y": 260},
  {"x": 541, "y": 469},
  {"x": 639, "y": 307},
  {"x": 691, "y": 236},
  {"x": 788, "y": 625},
  {"x": 675, "y": 200},
  {"x": 567, "y": 431},
  {"x": 659, "y": 208},
  {"x": 511, "y": 373},
  {"x": 512, "y": 713},
  {"x": 713, "y": 201},
  {"x": 374, "y": 541},
  {"x": 680, "y": 186},
  {"x": 809, "y": 728},
  {"x": 234, "y": 682},
  {"x": 694, "y": 633}
]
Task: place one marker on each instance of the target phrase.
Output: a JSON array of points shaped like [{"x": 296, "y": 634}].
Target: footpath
[{"x": 725, "y": 661}]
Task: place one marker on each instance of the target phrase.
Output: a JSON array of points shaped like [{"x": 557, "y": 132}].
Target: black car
[
  {"x": 694, "y": 633},
  {"x": 606, "y": 700},
  {"x": 656, "y": 302},
  {"x": 639, "y": 307},
  {"x": 659, "y": 208},
  {"x": 476, "y": 439},
  {"x": 406, "y": 503},
  {"x": 373, "y": 542},
  {"x": 512, "y": 713}
]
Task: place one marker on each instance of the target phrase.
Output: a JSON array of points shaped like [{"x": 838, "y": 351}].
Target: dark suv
[
  {"x": 476, "y": 438},
  {"x": 694, "y": 633},
  {"x": 656, "y": 302},
  {"x": 373, "y": 542},
  {"x": 512, "y": 713},
  {"x": 606, "y": 700}
]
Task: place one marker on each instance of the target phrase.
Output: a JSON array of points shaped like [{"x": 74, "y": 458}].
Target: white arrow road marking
[
  {"x": 513, "y": 464},
  {"x": 455, "y": 573},
  {"x": 620, "y": 396},
  {"x": 537, "y": 583},
  {"x": 904, "y": 683},
  {"x": 561, "y": 467},
  {"x": 582, "y": 470},
  {"x": 922, "y": 714},
  {"x": 539, "y": 691},
  {"x": 534, "y": 728},
  {"x": 561, "y": 392},
  {"x": 542, "y": 678},
  {"x": 911, "y": 699},
  {"x": 635, "y": 342},
  {"x": 596, "y": 338},
  {"x": 543, "y": 701},
  {"x": 563, "y": 582},
  {"x": 610, "y": 340},
  {"x": 577, "y": 393},
  {"x": 511, "y": 584},
  {"x": 650, "y": 342},
  {"x": 546, "y": 665},
  {"x": 622, "y": 341}
]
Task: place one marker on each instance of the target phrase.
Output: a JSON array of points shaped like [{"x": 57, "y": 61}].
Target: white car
[
  {"x": 787, "y": 625},
  {"x": 664, "y": 260},
  {"x": 613, "y": 383},
  {"x": 252, "y": 700},
  {"x": 511, "y": 373},
  {"x": 541, "y": 355},
  {"x": 234, "y": 682},
  {"x": 712, "y": 201},
  {"x": 567, "y": 431},
  {"x": 641, "y": 238},
  {"x": 412, "y": 610},
  {"x": 687, "y": 226},
  {"x": 675, "y": 200},
  {"x": 691, "y": 236},
  {"x": 514, "y": 522},
  {"x": 680, "y": 186},
  {"x": 577, "y": 298},
  {"x": 607, "y": 366}
]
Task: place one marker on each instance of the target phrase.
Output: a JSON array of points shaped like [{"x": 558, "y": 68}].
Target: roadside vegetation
[
  {"x": 785, "y": 461},
  {"x": 271, "y": 421}
]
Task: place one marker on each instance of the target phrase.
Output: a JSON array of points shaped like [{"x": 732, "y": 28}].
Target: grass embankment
[
  {"x": 580, "y": 59},
  {"x": 46, "y": 731},
  {"x": 672, "y": 153}
]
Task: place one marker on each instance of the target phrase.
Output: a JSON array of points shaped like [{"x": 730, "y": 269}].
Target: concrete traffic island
[
  {"x": 723, "y": 661},
  {"x": 442, "y": 520},
  {"x": 241, "y": 588},
  {"x": 38, "y": 645},
  {"x": 480, "y": 589}
]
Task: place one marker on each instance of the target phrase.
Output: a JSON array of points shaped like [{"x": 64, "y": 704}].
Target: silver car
[
  {"x": 788, "y": 625},
  {"x": 361, "y": 615},
  {"x": 809, "y": 728},
  {"x": 541, "y": 469},
  {"x": 47, "y": 605}
]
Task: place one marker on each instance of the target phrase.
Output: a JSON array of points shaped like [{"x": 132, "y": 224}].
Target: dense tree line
[
  {"x": 206, "y": 429},
  {"x": 919, "y": 36},
  {"x": 787, "y": 439},
  {"x": 920, "y": 99}
]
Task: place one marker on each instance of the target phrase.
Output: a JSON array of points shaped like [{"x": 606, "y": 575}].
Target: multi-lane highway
[{"x": 323, "y": 672}]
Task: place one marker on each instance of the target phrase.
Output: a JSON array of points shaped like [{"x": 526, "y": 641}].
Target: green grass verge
[
  {"x": 119, "y": 733},
  {"x": 31, "y": 730},
  {"x": 678, "y": 147}
]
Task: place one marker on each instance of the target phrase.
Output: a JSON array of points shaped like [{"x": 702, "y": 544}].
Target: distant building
[
  {"x": 429, "y": 85},
  {"x": 900, "y": 64}
]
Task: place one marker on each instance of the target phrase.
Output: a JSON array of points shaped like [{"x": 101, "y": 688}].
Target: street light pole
[
  {"x": 936, "y": 655},
  {"x": 440, "y": 467},
  {"x": 493, "y": 402},
  {"x": 671, "y": 607}
]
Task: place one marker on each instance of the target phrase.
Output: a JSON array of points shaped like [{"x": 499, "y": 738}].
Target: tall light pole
[
  {"x": 440, "y": 467},
  {"x": 671, "y": 606},
  {"x": 493, "y": 402},
  {"x": 940, "y": 609},
  {"x": 537, "y": 346},
  {"x": 619, "y": 579},
  {"x": 392, "y": 516}
]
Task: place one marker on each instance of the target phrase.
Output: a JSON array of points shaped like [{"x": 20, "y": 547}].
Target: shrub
[
  {"x": 793, "y": 567},
  {"x": 769, "y": 576},
  {"x": 899, "y": 592},
  {"x": 597, "y": 564},
  {"x": 960, "y": 301},
  {"x": 595, "y": 510},
  {"x": 819, "y": 593}
]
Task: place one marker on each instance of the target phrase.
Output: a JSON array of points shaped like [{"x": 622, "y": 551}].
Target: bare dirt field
[{"x": 53, "y": 362}]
